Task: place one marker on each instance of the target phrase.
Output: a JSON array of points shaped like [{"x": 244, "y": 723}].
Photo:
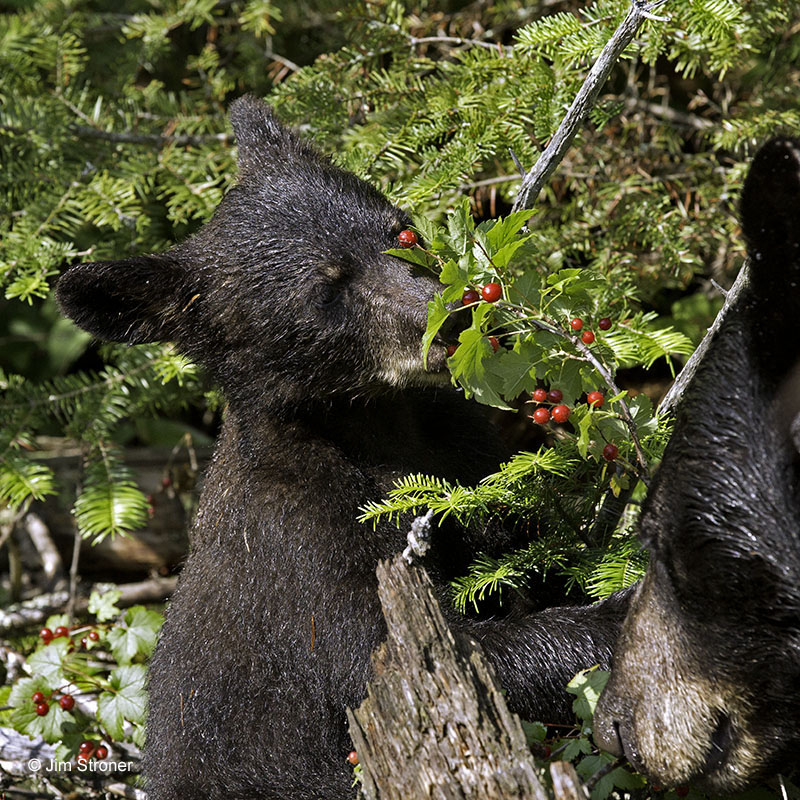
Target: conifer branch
[{"x": 582, "y": 104}]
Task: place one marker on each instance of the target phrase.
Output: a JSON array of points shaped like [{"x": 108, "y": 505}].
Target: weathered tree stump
[{"x": 435, "y": 723}]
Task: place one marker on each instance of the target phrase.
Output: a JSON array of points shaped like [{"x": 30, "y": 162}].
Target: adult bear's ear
[
  {"x": 135, "y": 300},
  {"x": 770, "y": 212}
]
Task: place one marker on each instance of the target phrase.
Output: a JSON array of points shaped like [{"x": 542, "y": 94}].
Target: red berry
[
  {"x": 407, "y": 238},
  {"x": 604, "y": 324},
  {"x": 595, "y": 399},
  {"x": 470, "y": 296},
  {"x": 94, "y": 635},
  {"x": 492, "y": 292},
  {"x": 352, "y": 757},
  {"x": 555, "y": 395},
  {"x": 38, "y": 697},
  {"x": 61, "y": 630},
  {"x": 493, "y": 341},
  {"x": 587, "y": 337},
  {"x": 681, "y": 791},
  {"x": 84, "y": 642},
  {"x": 67, "y": 702},
  {"x": 656, "y": 787},
  {"x": 42, "y": 708},
  {"x": 539, "y": 395},
  {"x": 576, "y": 324},
  {"x": 83, "y": 757},
  {"x": 547, "y": 751},
  {"x": 561, "y": 413},
  {"x": 541, "y": 416},
  {"x": 451, "y": 349},
  {"x": 101, "y": 752},
  {"x": 46, "y": 634},
  {"x": 86, "y": 746},
  {"x": 610, "y": 452}
]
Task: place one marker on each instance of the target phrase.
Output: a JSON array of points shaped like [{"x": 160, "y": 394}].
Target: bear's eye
[
  {"x": 330, "y": 284},
  {"x": 326, "y": 294}
]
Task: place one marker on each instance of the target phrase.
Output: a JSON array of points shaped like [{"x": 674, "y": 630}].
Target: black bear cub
[{"x": 289, "y": 300}]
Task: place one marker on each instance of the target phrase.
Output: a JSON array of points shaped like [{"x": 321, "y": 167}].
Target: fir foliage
[{"x": 114, "y": 141}]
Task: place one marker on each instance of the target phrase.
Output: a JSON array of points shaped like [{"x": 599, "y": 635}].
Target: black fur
[
  {"x": 288, "y": 299},
  {"x": 706, "y": 680}
]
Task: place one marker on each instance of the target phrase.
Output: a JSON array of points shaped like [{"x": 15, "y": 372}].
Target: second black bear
[
  {"x": 706, "y": 681},
  {"x": 288, "y": 298}
]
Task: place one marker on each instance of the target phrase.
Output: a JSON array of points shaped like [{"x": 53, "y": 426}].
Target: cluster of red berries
[
  {"x": 587, "y": 337},
  {"x": 47, "y": 635},
  {"x": 559, "y": 413},
  {"x": 88, "y": 749},
  {"x": 66, "y": 701},
  {"x": 491, "y": 293}
]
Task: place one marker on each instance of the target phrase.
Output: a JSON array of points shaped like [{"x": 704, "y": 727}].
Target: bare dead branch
[{"x": 555, "y": 151}]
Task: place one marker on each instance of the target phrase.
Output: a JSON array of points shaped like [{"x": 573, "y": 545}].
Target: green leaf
[
  {"x": 110, "y": 503},
  {"x": 136, "y": 636},
  {"x": 104, "y": 606},
  {"x": 587, "y": 685},
  {"x": 567, "y": 377},
  {"x": 514, "y": 370},
  {"x": 414, "y": 255},
  {"x": 127, "y": 700},
  {"x": 437, "y": 315},
  {"x": 46, "y": 661},
  {"x": 460, "y": 227},
  {"x": 22, "y": 479},
  {"x": 525, "y": 291}
]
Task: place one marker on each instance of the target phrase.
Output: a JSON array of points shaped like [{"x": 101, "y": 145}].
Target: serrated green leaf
[
  {"x": 136, "y": 636},
  {"x": 127, "y": 701},
  {"x": 455, "y": 271},
  {"x": 104, "y": 606},
  {"x": 46, "y": 661},
  {"x": 507, "y": 229},
  {"x": 525, "y": 291},
  {"x": 437, "y": 316},
  {"x": 414, "y": 255},
  {"x": 567, "y": 377},
  {"x": 587, "y": 685},
  {"x": 514, "y": 371},
  {"x": 460, "y": 227}
]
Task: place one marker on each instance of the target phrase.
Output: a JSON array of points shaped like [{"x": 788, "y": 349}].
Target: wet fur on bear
[{"x": 705, "y": 686}]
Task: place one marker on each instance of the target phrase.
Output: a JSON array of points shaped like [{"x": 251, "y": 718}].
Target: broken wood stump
[{"x": 435, "y": 723}]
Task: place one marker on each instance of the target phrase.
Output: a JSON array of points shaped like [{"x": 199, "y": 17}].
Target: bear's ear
[
  {"x": 264, "y": 144},
  {"x": 770, "y": 213},
  {"x": 135, "y": 300}
]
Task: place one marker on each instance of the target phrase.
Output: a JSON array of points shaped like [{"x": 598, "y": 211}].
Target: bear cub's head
[{"x": 286, "y": 294}]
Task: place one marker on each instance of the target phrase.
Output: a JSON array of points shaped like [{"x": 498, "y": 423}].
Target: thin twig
[
  {"x": 413, "y": 41},
  {"x": 582, "y": 104},
  {"x": 673, "y": 396}
]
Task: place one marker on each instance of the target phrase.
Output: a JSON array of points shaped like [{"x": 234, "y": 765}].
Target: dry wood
[{"x": 435, "y": 723}]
